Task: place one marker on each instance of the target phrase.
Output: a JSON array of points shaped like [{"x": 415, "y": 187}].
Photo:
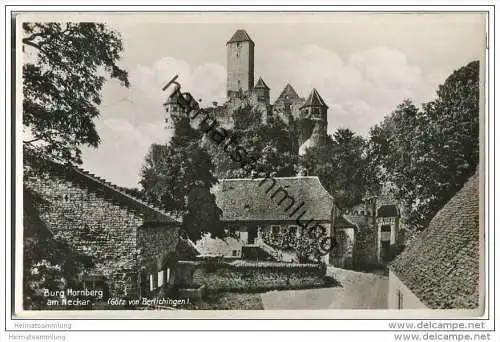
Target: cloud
[
  {"x": 359, "y": 90},
  {"x": 133, "y": 119}
]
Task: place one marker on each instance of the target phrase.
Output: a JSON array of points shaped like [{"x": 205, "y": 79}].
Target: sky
[{"x": 362, "y": 64}]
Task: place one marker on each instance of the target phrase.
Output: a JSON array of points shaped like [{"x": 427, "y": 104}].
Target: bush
[{"x": 211, "y": 263}]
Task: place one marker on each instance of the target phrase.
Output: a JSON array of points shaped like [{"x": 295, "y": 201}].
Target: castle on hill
[{"x": 309, "y": 115}]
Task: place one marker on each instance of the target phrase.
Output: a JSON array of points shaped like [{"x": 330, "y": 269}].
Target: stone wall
[
  {"x": 90, "y": 224},
  {"x": 366, "y": 248},
  {"x": 241, "y": 276},
  {"x": 343, "y": 252},
  {"x": 93, "y": 225},
  {"x": 157, "y": 246}
]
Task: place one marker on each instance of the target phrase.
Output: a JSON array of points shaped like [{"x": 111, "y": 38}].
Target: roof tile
[
  {"x": 246, "y": 199},
  {"x": 441, "y": 266}
]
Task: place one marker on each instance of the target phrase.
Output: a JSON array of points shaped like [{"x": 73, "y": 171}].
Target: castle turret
[
  {"x": 262, "y": 91},
  {"x": 178, "y": 105},
  {"x": 314, "y": 108},
  {"x": 240, "y": 63},
  {"x": 313, "y": 122}
]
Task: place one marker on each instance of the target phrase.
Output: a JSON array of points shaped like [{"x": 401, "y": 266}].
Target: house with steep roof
[
  {"x": 440, "y": 269},
  {"x": 262, "y": 208},
  {"x": 130, "y": 245}
]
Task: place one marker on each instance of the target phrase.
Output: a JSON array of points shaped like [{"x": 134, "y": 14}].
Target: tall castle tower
[{"x": 240, "y": 63}]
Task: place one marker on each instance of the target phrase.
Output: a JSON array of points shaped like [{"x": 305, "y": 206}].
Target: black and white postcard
[{"x": 255, "y": 164}]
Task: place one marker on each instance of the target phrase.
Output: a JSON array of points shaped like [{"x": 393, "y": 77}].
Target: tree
[
  {"x": 178, "y": 178},
  {"x": 271, "y": 145},
  {"x": 65, "y": 69},
  {"x": 394, "y": 146},
  {"x": 341, "y": 165},
  {"x": 429, "y": 154}
]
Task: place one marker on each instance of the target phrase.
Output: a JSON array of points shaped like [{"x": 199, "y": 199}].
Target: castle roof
[
  {"x": 441, "y": 266},
  {"x": 240, "y": 36},
  {"x": 246, "y": 199},
  {"x": 314, "y": 100},
  {"x": 114, "y": 193},
  {"x": 288, "y": 93},
  {"x": 261, "y": 84}
]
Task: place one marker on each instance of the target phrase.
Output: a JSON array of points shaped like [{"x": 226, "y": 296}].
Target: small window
[
  {"x": 166, "y": 109},
  {"x": 151, "y": 282},
  {"x": 235, "y": 252},
  {"x": 292, "y": 230},
  {"x": 160, "y": 278},
  {"x": 315, "y": 111},
  {"x": 66, "y": 198},
  {"x": 168, "y": 275},
  {"x": 400, "y": 299}
]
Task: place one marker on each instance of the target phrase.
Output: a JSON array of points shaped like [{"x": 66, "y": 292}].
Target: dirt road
[{"x": 358, "y": 290}]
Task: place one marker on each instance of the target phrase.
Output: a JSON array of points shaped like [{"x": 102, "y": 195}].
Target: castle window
[
  {"x": 160, "y": 278},
  {"x": 385, "y": 228},
  {"x": 275, "y": 229},
  {"x": 151, "y": 282},
  {"x": 293, "y": 230},
  {"x": 315, "y": 111}
]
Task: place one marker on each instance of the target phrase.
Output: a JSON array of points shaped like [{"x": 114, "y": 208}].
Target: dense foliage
[
  {"x": 178, "y": 177},
  {"x": 342, "y": 166},
  {"x": 429, "y": 153},
  {"x": 65, "y": 68},
  {"x": 270, "y": 145}
]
